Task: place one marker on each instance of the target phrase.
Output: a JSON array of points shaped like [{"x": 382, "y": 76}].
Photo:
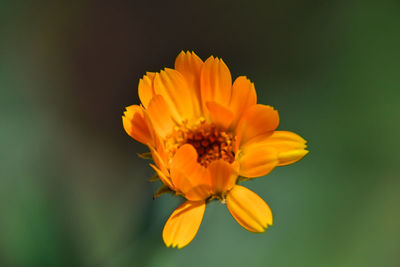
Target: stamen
[{"x": 210, "y": 142}]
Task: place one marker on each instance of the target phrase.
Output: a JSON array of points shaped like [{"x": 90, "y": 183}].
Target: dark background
[{"x": 74, "y": 193}]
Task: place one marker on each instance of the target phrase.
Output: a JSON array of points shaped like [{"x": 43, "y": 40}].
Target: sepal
[
  {"x": 162, "y": 190},
  {"x": 146, "y": 155}
]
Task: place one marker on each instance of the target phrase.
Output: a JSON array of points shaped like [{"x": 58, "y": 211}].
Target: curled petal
[
  {"x": 183, "y": 224},
  {"x": 220, "y": 115},
  {"x": 185, "y": 155},
  {"x": 257, "y": 160},
  {"x": 188, "y": 176},
  {"x": 248, "y": 209},
  {"x": 258, "y": 120},
  {"x": 135, "y": 124}
]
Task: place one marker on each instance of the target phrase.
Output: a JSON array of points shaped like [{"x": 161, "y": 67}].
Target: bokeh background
[{"x": 74, "y": 193}]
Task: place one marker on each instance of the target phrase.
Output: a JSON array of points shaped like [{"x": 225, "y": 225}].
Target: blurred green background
[{"x": 74, "y": 193}]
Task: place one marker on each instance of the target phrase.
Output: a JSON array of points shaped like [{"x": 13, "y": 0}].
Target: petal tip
[
  {"x": 249, "y": 210},
  {"x": 183, "y": 224},
  {"x": 292, "y": 156}
]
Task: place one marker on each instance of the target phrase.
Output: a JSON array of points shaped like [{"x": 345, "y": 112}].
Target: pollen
[{"x": 210, "y": 142}]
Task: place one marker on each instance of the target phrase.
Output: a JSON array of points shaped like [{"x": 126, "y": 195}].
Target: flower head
[{"x": 205, "y": 135}]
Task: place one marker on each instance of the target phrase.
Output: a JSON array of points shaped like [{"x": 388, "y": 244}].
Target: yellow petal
[
  {"x": 220, "y": 115},
  {"x": 223, "y": 176},
  {"x": 257, "y": 160},
  {"x": 146, "y": 89},
  {"x": 189, "y": 65},
  {"x": 172, "y": 86},
  {"x": 248, "y": 209},
  {"x": 290, "y": 147},
  {"x": 183, "y": 224},
  {"x": 188, "y": 176},
  {"x": 136, "y": 125},
  {"x": 289, "y": 157},
  {"x": 257, "y": 120},
  {"x": 160, "y": 116},
  {"x": 243, "y": 96},
  {"x": 215, "y": 82}
]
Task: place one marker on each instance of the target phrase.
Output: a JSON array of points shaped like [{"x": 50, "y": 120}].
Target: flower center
[{"x": 210, "y": 142}]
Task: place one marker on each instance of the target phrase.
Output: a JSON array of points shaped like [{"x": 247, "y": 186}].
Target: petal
[
  {"x": 223, "y": 176},
  {"x": 289, "y": 157},
  {"x": 243, "y": 96},
  {"x": 183, "y": 224},
  {"x": 160, "y": 116},
  {"x": 160, "y": 158},
  {"x": 146, "y": 89},
  {"x": 189, "y": 65},
  {"x": 165, "y": 179},
  {"x": 172, "y": 86},
  {"x": 136, "y": 125},
  {"x": 220, "y": 115},
  {"x": 257, "y": 120},
  {"x": 257, "y": 160},
  {"x": 215, "y": 82},
  {"x": 188, "y": 176},
  {"x": 248, "y": 209},
  {"x": 289, "y": 146}
]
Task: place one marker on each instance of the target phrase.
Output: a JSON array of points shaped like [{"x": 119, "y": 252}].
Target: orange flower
[{"x": 205, "y": 135}]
